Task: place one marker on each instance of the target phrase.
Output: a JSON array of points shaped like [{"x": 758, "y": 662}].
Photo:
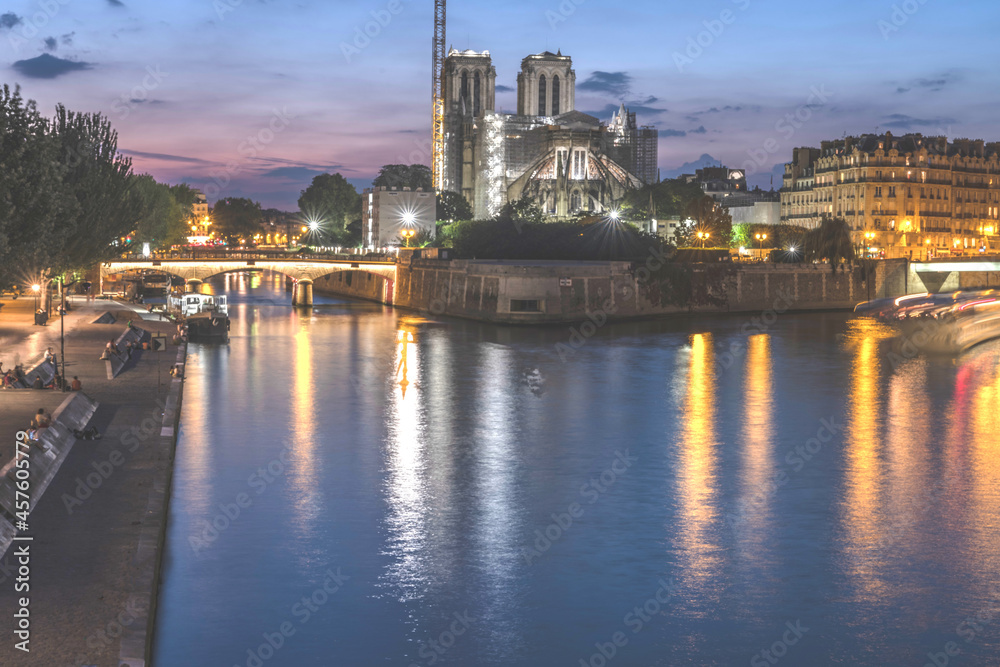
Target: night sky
[{"x": 189, "y": 83}]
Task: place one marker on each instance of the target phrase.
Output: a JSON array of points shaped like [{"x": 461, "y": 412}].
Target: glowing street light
[
  {"x": 704, "y": 237},
  {"x": 760, "y": 240},
  {"x": 408, "y": 234}
]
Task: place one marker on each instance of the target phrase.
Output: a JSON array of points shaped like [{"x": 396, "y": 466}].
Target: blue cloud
[{"x": 48, "y": 67}]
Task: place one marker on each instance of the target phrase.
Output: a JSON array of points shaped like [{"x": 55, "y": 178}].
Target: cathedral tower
[{"x": 546, "y": 85}]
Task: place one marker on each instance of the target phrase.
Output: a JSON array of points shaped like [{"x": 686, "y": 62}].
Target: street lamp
[
  {"x": 36, "y": 288},
  {"x": 408, "y": 234},
  {"x": 760, "y": 240}
]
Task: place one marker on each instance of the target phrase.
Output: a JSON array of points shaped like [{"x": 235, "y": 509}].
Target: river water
[{"x": 360, "y": 486}]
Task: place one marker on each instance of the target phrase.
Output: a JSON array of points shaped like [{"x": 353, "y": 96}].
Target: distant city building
[
  {"x": 564, "y": 160},
  {"x": 719, "y": 183},
  {"x": 909, "y": 196},
  {"x": 388, "y": 212},
  {"x": 200, "y": 222},
  {"x": 758, "y": 207}
]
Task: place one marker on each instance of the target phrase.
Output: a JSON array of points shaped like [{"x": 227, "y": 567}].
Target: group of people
[{"x": 11, "y": 378}]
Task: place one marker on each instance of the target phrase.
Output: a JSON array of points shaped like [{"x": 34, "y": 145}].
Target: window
[
  {"x": 878, "y": 192},
  {"x": 575, "y": 202},
  {"x": 525, "y": 306},
  {"x": 477, "y": 104},
  {"x": 892, "y": 190},
  {"x": 562, "y": 160},
  {"x": 579, "y": 163},
  {"x": 555, "y": 95},
  {"x": 465, "y": 87},
  {"x": 541, "y": 95}
]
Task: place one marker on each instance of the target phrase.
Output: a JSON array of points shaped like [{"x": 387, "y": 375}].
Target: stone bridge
[{"x": 302, "y": 271}]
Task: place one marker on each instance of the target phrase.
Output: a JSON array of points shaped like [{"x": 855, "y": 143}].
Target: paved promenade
[{"x": 98, "y": 527}]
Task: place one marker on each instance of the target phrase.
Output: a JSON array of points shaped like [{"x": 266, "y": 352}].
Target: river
[{"x": 360, "y": 486}]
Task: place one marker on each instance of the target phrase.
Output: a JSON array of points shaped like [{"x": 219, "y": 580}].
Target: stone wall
[
  {"x": 539, "y": 292},
  {"x": 357, "y": 284},
  {"x": 547, "y": 292}
]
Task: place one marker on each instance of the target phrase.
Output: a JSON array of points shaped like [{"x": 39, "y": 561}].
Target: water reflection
[
  {"x": 984, "y": 446},
  {"x": 406, "y": 485},
  {"x": 864, "y": 473},
  {"x": 758, "y": 434},
  {"x": 697, "y": 466},
  {"x": 197, "y": 464},
  {"x": 496, "y": 472},
  {"x": 306, "y": 467}
]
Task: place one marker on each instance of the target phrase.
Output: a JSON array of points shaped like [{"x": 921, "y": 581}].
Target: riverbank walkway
[{"x": 98, "y": 529}]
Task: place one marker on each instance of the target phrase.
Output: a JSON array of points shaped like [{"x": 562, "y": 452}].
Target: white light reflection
[{"x": 406, "y": 484}]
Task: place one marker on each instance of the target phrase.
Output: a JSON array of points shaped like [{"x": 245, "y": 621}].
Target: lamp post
[
  {"x": 408, "y": 234},
  {"x": 62, "y": 331},
  {"x": 36, "y": 288},
  {"x": 703, "y": 236},
  {"x": 869, "y": 239},
  {"x": 760, "y": 240}
]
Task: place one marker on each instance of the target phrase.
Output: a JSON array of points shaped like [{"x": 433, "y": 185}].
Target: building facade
[
  {"x": 564, "y": 160},
  {"x": 909, "y": 196},
  {"x": 389, "y": 212}
]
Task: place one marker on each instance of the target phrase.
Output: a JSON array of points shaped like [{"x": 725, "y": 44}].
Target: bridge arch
[{"x": 301, "y": 271}]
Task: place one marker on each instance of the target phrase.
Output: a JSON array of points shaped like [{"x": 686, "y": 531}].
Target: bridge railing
[{"x": 266, "y": 255}]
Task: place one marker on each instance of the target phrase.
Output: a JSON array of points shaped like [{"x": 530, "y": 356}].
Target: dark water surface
[{"x": 696, "y": 493}]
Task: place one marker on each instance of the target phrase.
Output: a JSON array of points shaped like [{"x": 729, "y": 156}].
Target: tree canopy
[
  {"x": 164, "y": 220},
  {"x": 331, "y": 200},
  {"x": 404, "y": 176},
  {"x": 66, "y": 194},
  {"x": 452, "y": 207},
  {"x": 830, "y": 241},
  {"x": 237, "y": 218},
  {"x": 665, "y": 199},
  {"x": 710, "y": 217}
]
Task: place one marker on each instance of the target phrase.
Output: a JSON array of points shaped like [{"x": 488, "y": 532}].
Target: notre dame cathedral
[{"x": 566, "y": 161}]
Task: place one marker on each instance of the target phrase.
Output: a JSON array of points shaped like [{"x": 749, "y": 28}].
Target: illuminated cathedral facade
[{"x": 566, "y": 161}]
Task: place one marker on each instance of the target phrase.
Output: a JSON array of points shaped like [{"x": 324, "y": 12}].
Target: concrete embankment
[
  {"x": 98, "y": 530},
  {"x": 534, "y": 292}
]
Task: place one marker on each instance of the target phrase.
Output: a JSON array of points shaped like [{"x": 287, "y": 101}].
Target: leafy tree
[
  {"x": 712, "y": 218},
  {"x": 237, "y": 218},
  {"x": 66, "y": 194},
  {"x": 830, "y": 241},
  {"x": 404, "y": 176},
  {"x": 665, "y": 199},
  {"x": 523, "y": 211},
  {"x": 32, "y": 199},
  {"x": 163, "y": 222},
  {"x": 330, "y": 199},
  {"x": 452, "y": 206},
  {"x": 101, "y": 182}
]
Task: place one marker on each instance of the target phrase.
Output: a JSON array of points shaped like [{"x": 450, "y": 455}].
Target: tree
[
  {"x": 66, "y": 194},
  {"x": 404, "y": 176},
  {"x": 521, "y": 212},
  {"x": 330, "y": 199},
  {"x": 163, "y": 223},
  {"x": 712, "y": 218},
  {"x": 830, "y": 241},
  {"x": 237, "y": 219},
  {"x": 101, "y": 182},
  {"x": 665, "y": 199},
  {"x": 32, "y": 197},
  {"x": 452, "y": 207}
]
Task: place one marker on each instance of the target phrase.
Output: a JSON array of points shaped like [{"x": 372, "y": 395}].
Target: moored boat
[{"x": 206, "y": 316}]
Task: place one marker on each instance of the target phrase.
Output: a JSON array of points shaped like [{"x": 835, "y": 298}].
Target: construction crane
[{"x": 437, "y": 86}]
